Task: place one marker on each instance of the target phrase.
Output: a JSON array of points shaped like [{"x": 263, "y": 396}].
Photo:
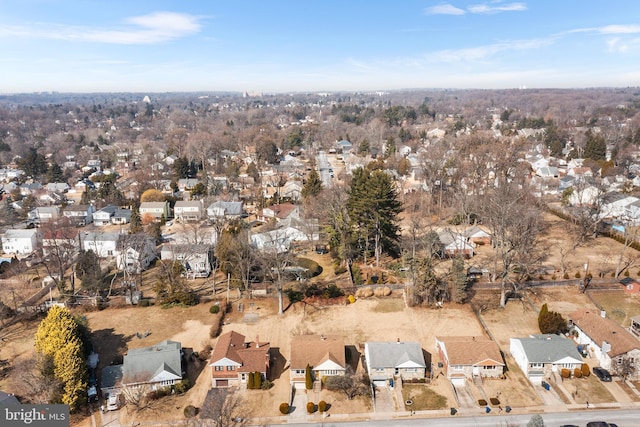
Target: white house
[
  {"x": 197, "y": 260},
  {"x": 540, "y": 356},
  {"x": 103, "y": 244},
  {"x": 135, "y": 252},
  {"x": 225, "y": 210},
  {"x": 20, "y": 242},
  {"x": 188, "y": 210},
  {"x": 103, "y": 216},
  {"x": 79, "y": 214}
]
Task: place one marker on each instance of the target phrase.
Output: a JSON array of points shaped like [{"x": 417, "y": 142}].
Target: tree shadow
[
  {"x": 352, "y": 356},
  {"x": 110, "y": 346},
  {"x": 278, "y": 363}
]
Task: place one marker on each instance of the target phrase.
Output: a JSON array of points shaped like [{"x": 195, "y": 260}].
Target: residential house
[
  {"x": 157, "y": 366},
  {"x": 344, "y": 146},
  {"x": 30, "y": 188},
  {"x": 477, "y": 236},
  {"x": 630, "y": 285},
  {"x": 20, "y": 241},
  {"x": 234, "y": 359},
  {"x": 278, "y": 212},
  {"x": 291, "y": 189},
  {"x": 453, "y": 244},
  {"x": 225, "y": 210},
  {"x": 60, "y": 241},
  {"x": 188, "y": 210},
  {"x": 187, "y": 184},
  {"x": 79, "y": 214},
  {"x": 278, "y": 240},
  {"x": 43, "y": 214},
  {"x": 565, "y": 182},
  {"x": 469, "y": 357},
  {"x": 103, "y": 244},
  {"x": 103, "y": 216},
  {"x": 57, "y": 187},
  {"x": 401, "y": 360},
  {"x": 135, "y": 252},
  {"x": 156, "y": 210},
  {"x": 605, "y": 340},
  {"x": 196, "y": 259},
  {"x": 324, "y": 354},
  {"x": 121, "y": 216},
  {"x": 540, "y": 356}
]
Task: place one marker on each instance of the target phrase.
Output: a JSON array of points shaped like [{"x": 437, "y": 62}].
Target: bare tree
[
  {"x": 515, "y": 221},
  {"x": 29, "y": 381},
  {"x": 351, "y": 384},
  {"x": 225, "y": 408}
]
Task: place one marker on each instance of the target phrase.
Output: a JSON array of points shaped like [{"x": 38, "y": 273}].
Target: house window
[
  {"x": 410, "y": 370},
  {"x": 231, "y": 368},
  {"x": 536, "y": 365},
  {"x": 299, "y": 371},
  {"x": 487, "y": 368},
  {"x": 458, "y": 367},
  {"x": 331, "y": 372},
  {"x": 219, "y": 368},
  {"x": 379, "y": 369},
  {"x": 110, "y": 252},
  {"x": 568, "y": 365}
]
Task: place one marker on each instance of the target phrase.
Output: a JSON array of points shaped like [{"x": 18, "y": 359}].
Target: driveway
[
  {"x": 465, "y": 399},
  {"x": 385, "y": 401},
  {"x": 298, "y": 412}
]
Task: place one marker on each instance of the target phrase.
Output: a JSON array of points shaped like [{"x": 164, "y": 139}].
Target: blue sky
[{"x": 316, "y": 45}]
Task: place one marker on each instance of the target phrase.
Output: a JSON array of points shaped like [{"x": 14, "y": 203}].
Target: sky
[{"x": 281, "y": 46}]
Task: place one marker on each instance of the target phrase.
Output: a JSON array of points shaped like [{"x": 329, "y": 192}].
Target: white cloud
[
  {"x": 156, "y": 27},
  {"x": 481, "y": 53},
  {"x": 490, "y": 8},
  {"x": 619, "y": 29},
  {"x": 443, "y": 9}
]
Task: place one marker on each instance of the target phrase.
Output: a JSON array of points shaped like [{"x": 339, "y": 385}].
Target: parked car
[
  {"x": 598, "y": 424},
  {"x": 113, "y": 402},
  {"x": 602, "y": 373},
  {"x": 92, "y": 394}
]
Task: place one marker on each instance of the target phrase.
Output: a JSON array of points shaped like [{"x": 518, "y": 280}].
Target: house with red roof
[{"x": 233, "y": 359}]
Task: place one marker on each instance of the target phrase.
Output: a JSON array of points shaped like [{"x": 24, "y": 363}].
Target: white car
[{"x": 113, "y": 402}]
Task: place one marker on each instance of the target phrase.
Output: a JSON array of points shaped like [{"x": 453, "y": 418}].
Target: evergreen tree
[
  {"x": 257, "y": 380},
  {"x": 88, "y": 269},
  {"x": 32, "y": 163},
  {"x": 459, "y": 279},
  {"x": 308, "y": 378},
  {"x": 374, "y": 208},
  {"x": 54, "y": 173},
  {"x": 595, "y": 148},
  {"x": 312, "y": 186},
  {"x": 135, "y": 224}
]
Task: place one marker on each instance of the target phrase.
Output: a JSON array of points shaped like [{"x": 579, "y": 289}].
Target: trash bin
[
  {"x": 546, "y": 385},
  {"x": 507, "y": 408},
  {"x": 487, "y": 409},
  {"x": 453, "y": 411}
]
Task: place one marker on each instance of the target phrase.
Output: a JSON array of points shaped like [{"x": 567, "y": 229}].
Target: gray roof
[
  {"x": 143, "y": 364},
  {"x": 549, "y": 348},
  {"x": 110, "y": 209},
  {"x": 7, "y": 399},
  {"x": 230, "y": 208},
  {"x": 393, "y": 354},
  {"x": 111, "y": 376}
]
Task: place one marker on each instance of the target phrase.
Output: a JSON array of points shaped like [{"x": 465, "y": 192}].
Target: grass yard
[
  {"x": 587, "y": 389},
  {"x": 389, "y": 305},
  {"x": 423, "y": 397},
  {"x": 620, "y": 306}
]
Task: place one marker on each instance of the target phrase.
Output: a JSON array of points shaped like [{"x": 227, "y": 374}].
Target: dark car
[
  {"x": 598, "y": 424},
  {"x": 602, "y": 373}
]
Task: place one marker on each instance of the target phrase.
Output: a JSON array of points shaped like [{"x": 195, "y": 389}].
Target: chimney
[
  {"x": 257, "y": 341},
  {"x": 398, "y": 340},
  {"x": 603, "y": 314}
]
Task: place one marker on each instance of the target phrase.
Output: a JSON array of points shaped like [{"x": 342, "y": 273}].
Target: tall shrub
[{"x": 308, "y": 378}]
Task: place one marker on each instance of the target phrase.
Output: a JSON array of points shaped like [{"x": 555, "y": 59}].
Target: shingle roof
[
  {"x": 252, "y": 356},
  {"x": 472, "y": 350},
  {"x": 315, "y": 349},
  {"x": 549, "y": 348},
  {"x": 143, "y": 364},
  {"x": 394, "y": 354},
  {"x": 601, "y": 329}
]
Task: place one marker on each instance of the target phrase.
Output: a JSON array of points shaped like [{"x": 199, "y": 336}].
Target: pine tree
[
  {"x": 595, "y": 148},
  {"x": 308, "y": 378},
  {"x": 250, "y": 382},
  {"x": 312, "y": 186},
  {"x": 459, "y": 280},
  {"x": 373, "y": 207},
  {"x": 257, "y": 380}
]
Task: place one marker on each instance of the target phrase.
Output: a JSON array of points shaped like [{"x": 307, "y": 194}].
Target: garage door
[
  {"x": 298, "y": 385},
  {"x": 222, "y": 383},
  {"x": 379, "y": 383},
  {"x": 459, "y": 382}
]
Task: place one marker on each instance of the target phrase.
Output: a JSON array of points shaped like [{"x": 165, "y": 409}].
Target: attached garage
[
  {"x": 380, "y": 383},
  {"x": 299, "y": 385},
  {"x": 459, "y": 381},
  {"x": 222, "y": 383}
]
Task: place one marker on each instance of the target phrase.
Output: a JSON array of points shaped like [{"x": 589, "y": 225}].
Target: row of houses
[{"x": 463, "y": 358}]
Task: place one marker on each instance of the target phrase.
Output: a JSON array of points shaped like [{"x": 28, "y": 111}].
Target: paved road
[
  {"x": 323, "y": 166},
  {"x": 623, "y": 418}
]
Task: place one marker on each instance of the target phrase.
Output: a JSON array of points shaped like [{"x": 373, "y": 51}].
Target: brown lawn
[{"x": 619, "y": 305}]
